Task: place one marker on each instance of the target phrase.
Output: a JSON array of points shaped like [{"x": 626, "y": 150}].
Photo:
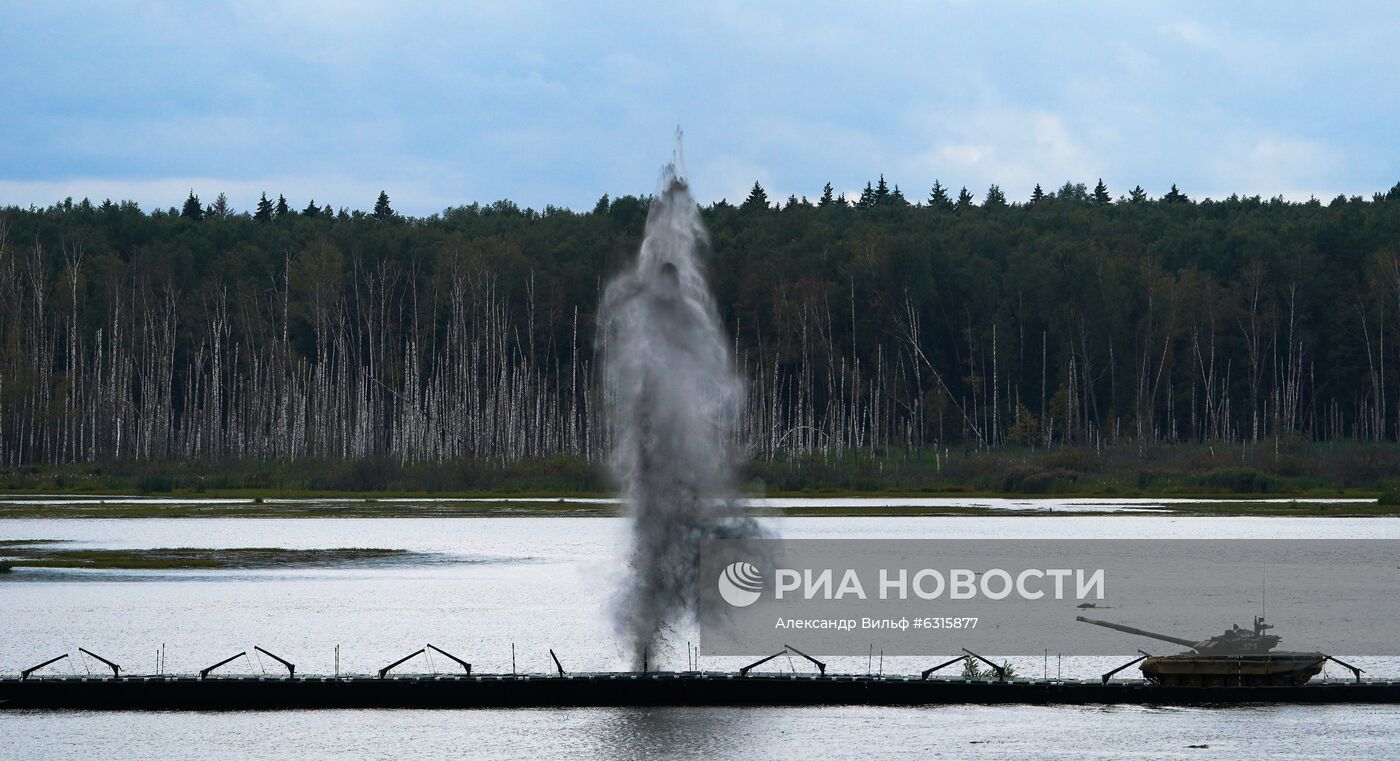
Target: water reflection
[{"x": 631, "y": 733}]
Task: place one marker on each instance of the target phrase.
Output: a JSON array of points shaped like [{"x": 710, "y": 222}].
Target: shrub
[{"x": 1239, "y": 481}]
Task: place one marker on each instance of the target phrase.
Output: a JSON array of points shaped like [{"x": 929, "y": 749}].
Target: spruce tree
[
  {"x": 281, "y": 206},
  {"x": 827, "y": 196},
  {"x": 311, "y": 210},
  {"x": 264, "y": 212},
  {"x": 1101, "y": 196},
  {"x": 1037, "y": 195},
  {"x": 1175, "y": 196},
  {"x": 220, "y": 208},
  {"x": 938, "y": 197},
  {"x": 882, "y": 191},
  {"x": 995, "y": 198},
  {"x": 1137, "y": 194},
  {"x": 897, "y": 198},
  {"x": 382, "y": 211},
  {"x": 964, "y": 200},
  {"x": 757, "y": 200},
  {"x": 192, "y": 208},
  {"x": 867, "y": 197}
]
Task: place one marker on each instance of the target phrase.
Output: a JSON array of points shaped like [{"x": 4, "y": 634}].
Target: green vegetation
[
  {"x": 347, "y": 508},
  {"x": 1069, "y": 343},
  {"x": 553, "y": 476},
  {"x": 1228, "y": 477},
  {"x": 35, "y": 554},
  {"x": 972, "y": 670},
  {"x": 340, "y": 507},
  {"x": 1290, "y": 468}
]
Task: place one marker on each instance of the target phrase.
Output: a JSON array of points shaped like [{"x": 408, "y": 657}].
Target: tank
[{"x": 1238, "y": 657}]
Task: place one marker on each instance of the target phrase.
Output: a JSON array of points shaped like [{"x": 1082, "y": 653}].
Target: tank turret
[{"x": 1234, "y": 641}]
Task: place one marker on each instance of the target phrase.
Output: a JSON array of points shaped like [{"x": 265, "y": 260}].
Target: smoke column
[{"x": 674, "y": 400}]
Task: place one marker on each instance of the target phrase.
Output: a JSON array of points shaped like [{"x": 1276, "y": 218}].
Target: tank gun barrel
[{"x": 1141, "y": 632}]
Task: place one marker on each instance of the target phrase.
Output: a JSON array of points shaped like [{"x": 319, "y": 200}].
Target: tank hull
[{"x": 1260, "y": 670}]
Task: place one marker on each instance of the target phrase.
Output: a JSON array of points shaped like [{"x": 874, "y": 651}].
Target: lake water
[{"x": 537, "y": 583}]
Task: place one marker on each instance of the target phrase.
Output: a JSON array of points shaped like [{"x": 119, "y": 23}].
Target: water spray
[{"x": 673, "y": 400}]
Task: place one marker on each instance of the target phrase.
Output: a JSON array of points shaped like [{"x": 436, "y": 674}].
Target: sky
[{"x": 444, "y": 104}]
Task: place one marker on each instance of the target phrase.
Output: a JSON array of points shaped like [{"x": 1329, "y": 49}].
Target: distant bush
[
  {"x": 1078, "y": 460},
  {"x": 1390, "y": 493},
  {"x": 1029, "y": 479},
  {"x": 155, "y": 483},
  {"x": 1240, "y": 481},
  {"x": 972, "y": 670}
]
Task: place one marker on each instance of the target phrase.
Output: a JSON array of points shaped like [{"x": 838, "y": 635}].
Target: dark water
[{"x": 541, "y": 583}]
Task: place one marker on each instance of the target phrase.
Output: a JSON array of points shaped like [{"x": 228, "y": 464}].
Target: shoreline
[
  {"x": 127, "y": 506},
  {"x": 56, "y": 554}
]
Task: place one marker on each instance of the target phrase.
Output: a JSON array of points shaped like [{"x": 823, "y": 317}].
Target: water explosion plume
[{"x": 674, "y": 401}]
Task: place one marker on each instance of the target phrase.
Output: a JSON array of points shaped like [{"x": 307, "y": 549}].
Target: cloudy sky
[{"x": 444, "y": 104}]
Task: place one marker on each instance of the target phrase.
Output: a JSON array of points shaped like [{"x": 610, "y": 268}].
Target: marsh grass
[
  {"x": 30, "y": 554},
  {"x": 1286, "y": 468}
]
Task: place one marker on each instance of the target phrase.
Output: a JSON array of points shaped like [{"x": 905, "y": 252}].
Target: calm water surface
[{"x": 543, "y": 582}]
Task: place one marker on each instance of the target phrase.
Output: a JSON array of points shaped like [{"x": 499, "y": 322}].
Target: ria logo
[{"x": 740, "y": 584}]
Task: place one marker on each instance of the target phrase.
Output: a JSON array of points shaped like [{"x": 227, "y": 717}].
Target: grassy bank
[
  {"x": 372, "y": 508},
  {"x": 1288, "y": 468},
  {"x": 41, "y": 554},
  {"x": 315, "y": 507}
]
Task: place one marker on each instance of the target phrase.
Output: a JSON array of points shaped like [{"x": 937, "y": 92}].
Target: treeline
[{"x": 884, "y": 324}]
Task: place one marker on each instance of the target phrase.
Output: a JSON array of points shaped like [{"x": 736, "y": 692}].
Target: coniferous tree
[
  {"x": 311, "y": 210},
  {"x": 192, "y": 208},
  {"x": 964, "y": 200},
  {"x": 882, "y": 191},
  {"x": 995, "y": 198},
  {"x": 1037, "y": 195},
  {"x": 827, "y": 197},
  {"x": 382, "y": 210},
  {"x": 1175, "y": 196},
  {"x": 938, "y": 197},
  {"x": 1394, "y": 193},
  {"x": 1137, "y": 194},
  {"x": 264, "y": 212},
  {"x": 757, "y": 200},
  {"x": 221, "y": 208},
  {"x": 867, "y": 197},
  {"x": 281, "y": 206},
  {"x": 601, "y": 207},
  {"x": 897, "y": 198},
  {"x": 1101, "y": 196}
]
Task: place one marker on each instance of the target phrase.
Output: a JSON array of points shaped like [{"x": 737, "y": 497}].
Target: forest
[{"x": 890, "y": 327}]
